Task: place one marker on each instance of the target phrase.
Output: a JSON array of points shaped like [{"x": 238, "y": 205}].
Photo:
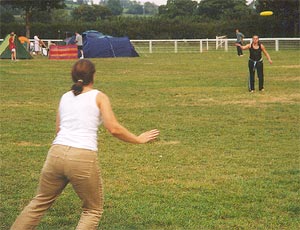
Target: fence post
[
  {"x": 150, "y": 46},
  {"x": 201, "y": 49},
  {"x": 226, "y": 45},
  {"x": 175, "y": 45},
  {"x": 206, "y": 43},
  {"x": 277, "y": 45}
]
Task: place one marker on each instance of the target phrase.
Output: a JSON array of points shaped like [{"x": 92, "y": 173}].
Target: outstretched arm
[
  {"x": 246, "y": 47},
  {"x": 116, "y": 129},
  {"x": 266, "y": 53}
]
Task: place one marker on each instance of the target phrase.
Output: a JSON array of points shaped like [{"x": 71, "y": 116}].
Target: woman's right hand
[
  {"x": 116, "y": 129},
  {"x": 148, "y": 136}
]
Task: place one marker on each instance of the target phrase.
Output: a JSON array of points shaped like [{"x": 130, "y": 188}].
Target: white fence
[{"x": 202, "y": 45}]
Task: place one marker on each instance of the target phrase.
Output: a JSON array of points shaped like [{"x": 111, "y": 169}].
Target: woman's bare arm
[{"x": 116, "y": 129}]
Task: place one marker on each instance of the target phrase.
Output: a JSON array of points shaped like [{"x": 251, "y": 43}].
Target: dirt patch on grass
[
  {"x": 26, "y": 104},
  {"x": 292, "y": 98},
  {"x": 169, "y": 142},
  {"x": 246, "y": 102},
  {"x": 26, "y": 143},
  {"x": 257, "y": 99},
  {"x": 297, "y": 78},
  {"x": 265, "y": 99},
  {"x": 289, "y": 66}
]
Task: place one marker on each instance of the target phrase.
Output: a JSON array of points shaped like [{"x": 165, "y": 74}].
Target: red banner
[{"x": 63, "y": 52}]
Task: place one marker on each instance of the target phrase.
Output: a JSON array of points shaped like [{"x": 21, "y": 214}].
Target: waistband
[
  {"x": 70, "y": 148},
  {"x": 70, "y": 153},
  {"x": 260, "y": 60}
]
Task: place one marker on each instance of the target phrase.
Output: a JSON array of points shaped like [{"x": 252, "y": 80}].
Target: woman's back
[{"x": 79, "y": 120}]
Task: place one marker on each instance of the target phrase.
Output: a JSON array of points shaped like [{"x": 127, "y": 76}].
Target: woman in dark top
[{"x": 256, "y": 62}]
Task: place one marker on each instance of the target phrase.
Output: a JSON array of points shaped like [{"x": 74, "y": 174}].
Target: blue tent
[{"x": 95, "y": 44}]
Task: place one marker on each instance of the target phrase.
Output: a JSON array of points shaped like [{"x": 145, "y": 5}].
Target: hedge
[{"x": 158, "y": 28}]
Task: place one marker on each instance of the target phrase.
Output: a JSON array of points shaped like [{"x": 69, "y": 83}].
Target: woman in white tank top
[{"x": 73, "y": 156}]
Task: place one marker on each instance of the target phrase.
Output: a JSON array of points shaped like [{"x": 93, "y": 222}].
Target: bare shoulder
[
  {"x": 101, "y": 94},
  {"x": 101, "y": 97}
]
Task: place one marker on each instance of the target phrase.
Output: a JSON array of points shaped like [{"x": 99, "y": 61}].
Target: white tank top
[{"x": 79, "y": 120}]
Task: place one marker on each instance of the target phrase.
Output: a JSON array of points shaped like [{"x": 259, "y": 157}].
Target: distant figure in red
[{"x": 12, "y": 46}]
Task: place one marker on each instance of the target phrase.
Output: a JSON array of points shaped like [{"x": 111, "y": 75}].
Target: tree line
[{"x": 178, "y": 19}]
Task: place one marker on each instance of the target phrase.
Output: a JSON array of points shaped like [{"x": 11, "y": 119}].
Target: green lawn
[{"x": 226, "y": 159}]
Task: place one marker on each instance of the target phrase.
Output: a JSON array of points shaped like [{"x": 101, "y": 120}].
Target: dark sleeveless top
[{"x": 255, "y": 54}]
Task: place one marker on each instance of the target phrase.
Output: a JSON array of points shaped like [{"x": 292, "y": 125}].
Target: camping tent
[
  {"x": 5, "y": 53},
  {"x": 24, "y": 41},
  {"x": 96, "y": 44}
]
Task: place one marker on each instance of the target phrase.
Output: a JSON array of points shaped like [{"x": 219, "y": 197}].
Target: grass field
[{"x": 226, "y": 159}]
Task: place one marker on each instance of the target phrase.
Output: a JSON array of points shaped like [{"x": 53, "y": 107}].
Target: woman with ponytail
[{"x": 72, "y": 157}]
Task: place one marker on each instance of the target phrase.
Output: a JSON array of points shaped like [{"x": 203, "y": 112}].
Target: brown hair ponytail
[
  {"x": 82, "y": 74},
  {"x": 77, "y": 87}
]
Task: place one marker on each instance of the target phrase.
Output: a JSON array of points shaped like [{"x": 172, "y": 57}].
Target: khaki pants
[{"x": 66, "y": 164}]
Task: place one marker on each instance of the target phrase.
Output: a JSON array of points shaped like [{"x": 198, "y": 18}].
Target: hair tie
[{"x": 80, "y": 80}]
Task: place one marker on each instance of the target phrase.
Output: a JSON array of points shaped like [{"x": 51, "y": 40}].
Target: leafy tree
[
  {"x": 40, "y": 16},
  {"x": 135, "y": 8},
  {"x": 102, "y": 12},
  {"x": 125, "y": 3},
  {"x": 115, "y": 7},
  {"x": 285, "y": 12},
  {"x": 162, "y": 10},
  {"x": 83, "y": 13},
  {"x": 150, "y": 8},
  {"x": 220, "y": 9},
  {"x": 29, "y": 6},
  {"x": 92, "y": 13},
  {"x": 176, "y": 8},
  {"x": 60, "y": 15},
  {"x": 6, "y": 15}
]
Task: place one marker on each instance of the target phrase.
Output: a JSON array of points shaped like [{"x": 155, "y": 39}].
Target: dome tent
[
  {"x": 21, "y": 51},
  {"x": 96, "y": 44}
]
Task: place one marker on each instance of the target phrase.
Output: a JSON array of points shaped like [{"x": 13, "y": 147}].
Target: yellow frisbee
[{"x": 266, "y": 13}]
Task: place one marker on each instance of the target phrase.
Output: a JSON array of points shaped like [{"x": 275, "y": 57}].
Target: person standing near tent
[
  {"x": 78, "y": 40},
  {"x": 72, "y": 157},
  {"x": 239, "y": 40},
  {"x": 12, "y": 46},
  {"x": 256, "y": 62},
  {"x": 37, "y": 48}
]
